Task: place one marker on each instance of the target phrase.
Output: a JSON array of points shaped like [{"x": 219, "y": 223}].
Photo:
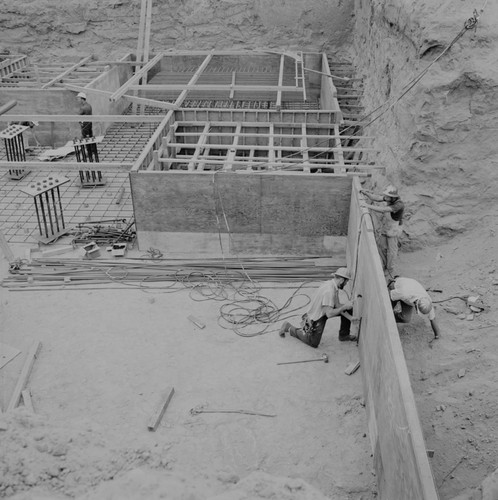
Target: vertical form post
[
  {"x": 54, "y": 205},
  {"x": 42, "y": 208},
  {"x": 87, "y": 152},
  {"x": 48, "y": 207},
  {"x": 38, "y": 216},
  {"x": 14, "y": 148},
  {"x": 60, "y": 205}
]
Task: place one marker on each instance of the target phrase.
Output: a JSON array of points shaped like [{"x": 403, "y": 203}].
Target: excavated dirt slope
[{"x": 437, "y": 142}]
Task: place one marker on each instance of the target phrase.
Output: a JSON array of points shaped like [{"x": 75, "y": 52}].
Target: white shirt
[
  {"x": 409, "y": 290},
  {"x": 326, "y": 295}
]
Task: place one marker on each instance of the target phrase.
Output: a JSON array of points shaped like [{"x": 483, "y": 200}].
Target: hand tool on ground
[
  {"x": 201, "y": 409},
  {"x": 324, "y": 358}
]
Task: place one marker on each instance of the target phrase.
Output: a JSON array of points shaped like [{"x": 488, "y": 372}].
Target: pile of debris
[{"x": 99, "y": 233}]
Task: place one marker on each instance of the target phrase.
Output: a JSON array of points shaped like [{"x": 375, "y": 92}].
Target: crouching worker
[
  {"x": 325, "y": 304},
  {"x": 408, "y": 294}
]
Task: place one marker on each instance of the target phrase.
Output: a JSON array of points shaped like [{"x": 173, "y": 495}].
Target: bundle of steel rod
[
  {"x": 144, "y": 273},
  {"x": 104, "y": 235}
]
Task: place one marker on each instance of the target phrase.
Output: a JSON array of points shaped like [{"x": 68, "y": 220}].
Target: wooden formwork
[{"x": 400, "y": 456}]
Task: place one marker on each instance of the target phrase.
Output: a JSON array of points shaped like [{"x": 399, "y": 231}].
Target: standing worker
[
  {"x": 86, "y": 127},
  {"x": 408, "y": 294},
  {"x": 85, "y": 109},
  {"x": 388, "y": 235},
  {"x": 325, "y": 304}
]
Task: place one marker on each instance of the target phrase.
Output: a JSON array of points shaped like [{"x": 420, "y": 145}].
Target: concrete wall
[
  {"x": 266, "y": 213},
  {"x": 44, "y": 102},
  {"x": 58, "y": 101},
  {"x": 400, "y": 457}
]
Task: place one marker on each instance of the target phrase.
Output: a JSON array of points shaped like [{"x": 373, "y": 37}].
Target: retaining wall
[
  {"x": 400, "y": 457},
  {"x": 303, "y": 214}
]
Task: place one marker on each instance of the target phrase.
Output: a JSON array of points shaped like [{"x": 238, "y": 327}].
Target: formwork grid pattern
[
  {"x": 259, "y": 146},
  {"x": 17, "y": 213}
]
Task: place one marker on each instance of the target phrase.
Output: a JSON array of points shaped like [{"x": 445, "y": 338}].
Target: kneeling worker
[
  {"x": 325, "y": 304},
  {"x": 408, "y": 294}
]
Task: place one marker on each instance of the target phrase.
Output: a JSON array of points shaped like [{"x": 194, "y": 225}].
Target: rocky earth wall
[
  {"x": 52, "y": 27},
  {"x": 439, "y": 141}
]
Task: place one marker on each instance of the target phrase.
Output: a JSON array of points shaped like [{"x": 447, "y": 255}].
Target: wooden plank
[
  {"x": 232, "y": 91},
  {"x": 193, "y": 80},
  {"x": 130, "y": 98},
  {"x": 199, "y": 148},
  {"x": 25, "y": 373},
  {"x": 270, "y": 148},
  {"x": 277, "y": 148},
  {"x": 233, "y": 150},
  {"x": 65, "y": 73},
  {"x": 65, "y": 165},
  {"x": 351, "y": 368},
  {"x": 135, "y": 78},
  {"x": 254, "y": 202},
  {"x": 303, "y": 76},
  {"x": 148, "y": 23},
  {"x": 28, "y": 403},
  {"x": 155, "y": 419},
  {"x": 304, "y": 146},
  {"x": 7, "y": 353},
  {"x": 141, "y": 31},
  {"x": 89, "y": 118},
  {"x": 394, "y": 428},
  {"x": 209, "y": 87},
  {"x": 197, "y": 322},
  {"x": 245, "y": 161},
  {"x": 4, "y": 246},
  {"x": 278, "y": 103},
  {"x": 144, "y": 52}
]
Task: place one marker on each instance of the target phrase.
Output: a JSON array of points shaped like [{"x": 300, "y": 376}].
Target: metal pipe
[
  {"x": 60, "y": 207},
  {"x": 38, "y": 216},
  {"x": 7, "y": 106},
  {"x": 55, "y": 210},
  {"x": 43, "y": 214},
  {"x": 23, "y": 149},
  {"x": 49, "y": 212}
]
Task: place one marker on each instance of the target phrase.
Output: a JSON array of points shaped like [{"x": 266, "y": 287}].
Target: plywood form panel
[
  {"x": 400, "y": 458},
  {"x": 173, "y": 203},
  {"x": 304, "y": 205}
]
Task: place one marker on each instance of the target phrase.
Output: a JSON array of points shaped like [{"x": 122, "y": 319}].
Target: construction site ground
[{"x": 107, "y": 358}]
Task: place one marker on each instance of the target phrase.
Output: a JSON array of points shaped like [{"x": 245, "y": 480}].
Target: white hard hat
[
  {"x": 424, "y": 305},
  {"x": 343, "y": 272},
  {"x": 82, "y": 95},
  {"x": 391, "y": 191}
]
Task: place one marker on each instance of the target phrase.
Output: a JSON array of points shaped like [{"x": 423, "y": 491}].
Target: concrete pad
[{"x": 109, "y": 355}]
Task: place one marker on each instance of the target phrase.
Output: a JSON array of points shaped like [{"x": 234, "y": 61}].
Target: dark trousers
[
  {"x": 91, "y": 149},
  {"x": 402, "y": 311},
  {"x": 311, "y": 331}
]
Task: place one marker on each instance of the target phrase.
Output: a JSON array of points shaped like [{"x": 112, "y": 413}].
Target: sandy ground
[
  {"x": 108, "y": 356},
  {"x": 455, "y": 379}
]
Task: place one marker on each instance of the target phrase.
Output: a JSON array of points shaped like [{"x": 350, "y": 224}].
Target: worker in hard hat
[
  {"x": 86, "y": 127},
  {"x": 408, "y": 294},
  {"x": 388, "y": 235},
  {"x": 325, "y": 304},
  {"x": 85, "y": 109}
]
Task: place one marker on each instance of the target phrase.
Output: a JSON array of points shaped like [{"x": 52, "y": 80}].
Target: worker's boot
[{"x": 344, "y": 330}]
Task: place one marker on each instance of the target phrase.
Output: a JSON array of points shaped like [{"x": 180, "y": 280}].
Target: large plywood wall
[
  {"x": 257, "y": 212},
  {"x": 59, "y": 101},
  {"x": 306, "y": 205},
  {"x": 400, "y": 458}
]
